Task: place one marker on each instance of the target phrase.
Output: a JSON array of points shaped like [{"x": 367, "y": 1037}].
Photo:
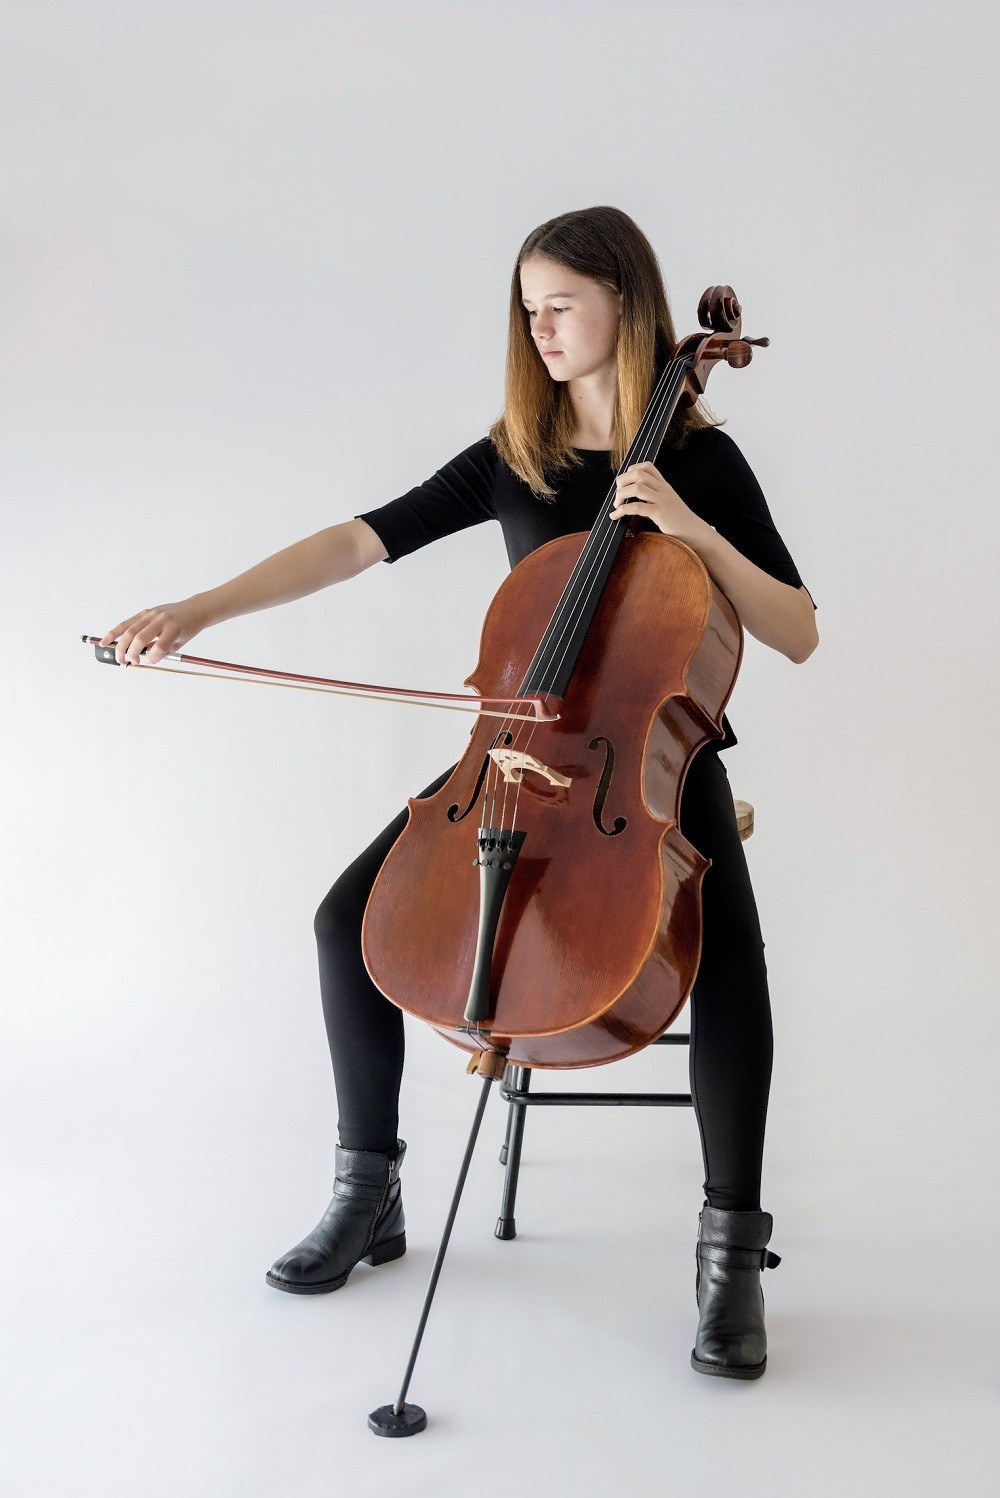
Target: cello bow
[{"x": 539, "y": 707}]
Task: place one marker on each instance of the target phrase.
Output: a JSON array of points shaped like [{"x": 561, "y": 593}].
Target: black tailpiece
[{"x": 498, "y": 850}]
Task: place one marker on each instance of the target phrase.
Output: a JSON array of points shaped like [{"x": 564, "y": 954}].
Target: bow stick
[{"x": 541, "y": 708}]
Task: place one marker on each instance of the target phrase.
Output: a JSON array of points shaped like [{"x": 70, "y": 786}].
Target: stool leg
[
  {"x": 505, "y": 1228},
  {"x": 505, "y": 1150}
]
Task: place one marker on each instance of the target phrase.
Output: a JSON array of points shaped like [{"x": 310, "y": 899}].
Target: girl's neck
[{"x": 592, "y": 399}]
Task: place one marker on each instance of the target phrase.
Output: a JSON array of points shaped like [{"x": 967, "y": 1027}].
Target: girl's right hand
[{"x": 159, "y": 631}]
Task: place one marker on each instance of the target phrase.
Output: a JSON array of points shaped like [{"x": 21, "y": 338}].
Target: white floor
[{"x": 146, "y": 1355}]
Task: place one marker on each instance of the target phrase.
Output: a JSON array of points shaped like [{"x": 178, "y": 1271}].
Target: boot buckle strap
[
  {"x": 738, "y": 1258},
  {"x": 359, "y": 1191}
]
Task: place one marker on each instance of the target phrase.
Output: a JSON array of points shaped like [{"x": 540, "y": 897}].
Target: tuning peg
[{"x": 738, "y": 353}]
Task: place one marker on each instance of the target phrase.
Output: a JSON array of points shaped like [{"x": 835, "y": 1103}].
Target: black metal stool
[{"x": 516, "y": 1093}]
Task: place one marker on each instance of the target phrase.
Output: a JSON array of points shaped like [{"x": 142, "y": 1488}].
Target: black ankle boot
[
  {"x": 364, "y": 1222},
  {"x": 731, "y": 1252}
]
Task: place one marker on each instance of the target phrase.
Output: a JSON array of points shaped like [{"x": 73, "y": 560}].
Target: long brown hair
[{"x": 534, "y": 434}]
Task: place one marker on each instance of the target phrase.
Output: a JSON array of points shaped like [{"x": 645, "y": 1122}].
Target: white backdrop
[{"x": 256, "y": 267}]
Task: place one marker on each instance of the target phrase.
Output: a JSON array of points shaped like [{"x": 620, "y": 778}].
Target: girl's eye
[{"x": 555, "y": 309}]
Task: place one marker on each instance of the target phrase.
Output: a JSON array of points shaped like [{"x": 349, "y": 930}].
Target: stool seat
[{"x": 744, "y": 818}]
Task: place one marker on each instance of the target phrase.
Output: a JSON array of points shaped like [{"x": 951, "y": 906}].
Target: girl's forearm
[
  {"x": 775, "y": 613},
  {"x": 330, "y": 556}
]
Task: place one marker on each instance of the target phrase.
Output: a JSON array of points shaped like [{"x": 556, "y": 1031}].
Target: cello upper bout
[{"x": 519, "y": 613}]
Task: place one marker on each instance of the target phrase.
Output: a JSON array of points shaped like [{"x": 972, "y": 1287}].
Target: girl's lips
[{"x": 552, "y": 353}]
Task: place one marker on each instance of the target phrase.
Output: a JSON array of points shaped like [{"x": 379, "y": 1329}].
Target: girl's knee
[{"x": 339, "y": 915}]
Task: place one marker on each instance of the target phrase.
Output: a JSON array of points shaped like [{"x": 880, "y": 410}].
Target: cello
[{"x": 564, "y": 930}]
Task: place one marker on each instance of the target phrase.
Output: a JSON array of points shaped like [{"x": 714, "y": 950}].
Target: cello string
[
  {"x": 606, "y": 534},
  {"x": 506, "y": 786},
  {"x": 493, "y": 771},
  {"x": 513, "y": 749},
  {"x": 583, "y": 580},
  {"x": 601, "y": 539},
  {"x": 484, "y": 822},
  {"x": 492, "y": 774},
  {"x": 564, "y": 613},
  {"x": 517, "y": 798},
  {"x": 506, "y": 782},
  {"x": 491, "y": 777},
  {"x": 584, "y": 577},
  {"x": 604, "y": 526}
]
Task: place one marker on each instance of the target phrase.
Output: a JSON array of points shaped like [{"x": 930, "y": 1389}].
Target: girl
[{"x": 590, "y": 331}]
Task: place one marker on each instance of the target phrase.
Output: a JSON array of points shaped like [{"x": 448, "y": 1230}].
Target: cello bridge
[{"x": 514, "y": 762}]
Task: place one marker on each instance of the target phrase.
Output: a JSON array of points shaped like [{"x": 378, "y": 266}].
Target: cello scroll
[{"x": 720, "y": 312}]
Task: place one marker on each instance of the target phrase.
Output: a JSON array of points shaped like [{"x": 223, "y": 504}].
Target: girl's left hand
[{"x": 642, "y": 490}]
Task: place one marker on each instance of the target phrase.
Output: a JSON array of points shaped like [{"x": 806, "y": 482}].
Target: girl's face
[{"x": 573, "y": 319}]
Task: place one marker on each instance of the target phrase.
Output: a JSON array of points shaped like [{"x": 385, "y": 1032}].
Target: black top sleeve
[
  {"x": 709, "y": 473},
  {"x": 458, "y": 495},
  {"x": 730, "y": 499}
]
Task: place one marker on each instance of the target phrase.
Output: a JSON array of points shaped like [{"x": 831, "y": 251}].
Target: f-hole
[
  {"x": 503, "y": 739},
  {"x": 602, "y": 790}
]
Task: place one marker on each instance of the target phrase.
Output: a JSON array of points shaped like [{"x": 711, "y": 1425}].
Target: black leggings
[{"x": 730, "y": 1012}]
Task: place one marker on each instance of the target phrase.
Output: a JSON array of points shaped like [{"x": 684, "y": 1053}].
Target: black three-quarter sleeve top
[{"x": 709, "y": 473}]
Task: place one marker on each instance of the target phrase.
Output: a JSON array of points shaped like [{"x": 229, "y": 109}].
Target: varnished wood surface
[
  {"x": 600, "y": 936},
  {"x": 744, "y": 818}
]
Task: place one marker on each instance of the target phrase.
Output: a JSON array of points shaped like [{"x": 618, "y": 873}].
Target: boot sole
[
  {"x": 719, "y": 1370},
  {"x": 383, "y": 1253}
]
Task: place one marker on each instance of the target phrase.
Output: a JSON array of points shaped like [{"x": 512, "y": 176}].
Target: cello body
[{"x": 599, "y": 935}]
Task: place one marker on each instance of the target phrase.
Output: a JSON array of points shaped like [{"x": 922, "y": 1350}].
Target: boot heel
[{"x": 384, "y": 1253}]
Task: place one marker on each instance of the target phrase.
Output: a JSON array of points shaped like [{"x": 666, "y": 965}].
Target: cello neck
[{"x": 557, "y": 654}]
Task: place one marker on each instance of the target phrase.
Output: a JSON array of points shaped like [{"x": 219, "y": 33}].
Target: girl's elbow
[{"x": 800, "y": 656}]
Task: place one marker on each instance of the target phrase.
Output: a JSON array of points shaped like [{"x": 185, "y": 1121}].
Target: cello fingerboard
[{"x": 557, "y": 655}]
